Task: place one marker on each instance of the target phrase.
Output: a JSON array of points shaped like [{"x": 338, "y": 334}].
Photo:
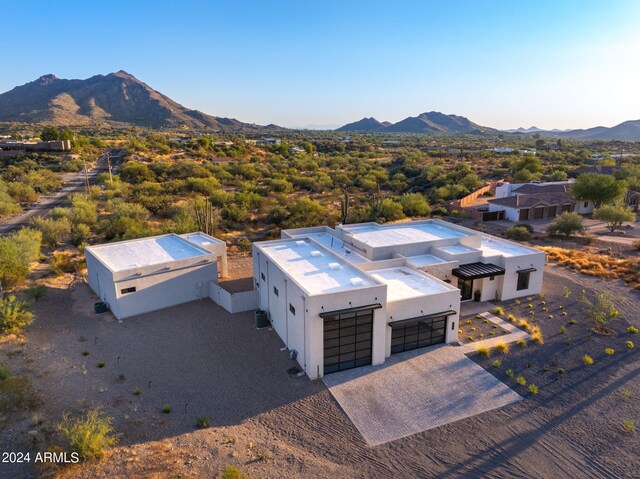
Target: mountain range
[
  {"x": 116, "y": 97},
  {"x": 123, "y": 99},
  {"x": 432, "y": 122}
]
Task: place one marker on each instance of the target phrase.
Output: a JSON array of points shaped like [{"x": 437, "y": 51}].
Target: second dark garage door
[{"x": 417, "y": 333}]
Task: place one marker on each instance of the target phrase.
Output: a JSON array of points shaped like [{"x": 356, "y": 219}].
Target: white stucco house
[
  {"x": 142, "y": 275},
  {"x": 351, "y": 296}
]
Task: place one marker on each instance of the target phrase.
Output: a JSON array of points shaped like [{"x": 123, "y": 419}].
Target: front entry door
[{"x": 466, "y": 289}]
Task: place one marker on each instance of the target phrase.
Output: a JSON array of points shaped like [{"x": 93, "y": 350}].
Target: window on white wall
[{"x": 523, "y": 281}]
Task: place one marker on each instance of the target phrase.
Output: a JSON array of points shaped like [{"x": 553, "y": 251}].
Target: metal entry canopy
[{"x": 477, "y": 270}]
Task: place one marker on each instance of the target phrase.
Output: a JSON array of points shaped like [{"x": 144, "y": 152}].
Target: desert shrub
[
  {"x": 524, "y": 324},
  {"x": 498, "y": 311},
  {"x": 588, "y": 360},
  {"x": 600, "y": 309},
  {"x": 415, "y": 204},
  {"x": 22, "y": 193},
  {"x": 521, "y": 342},
  {"x": 496, "y": 363},
  {"x": 609, "y": 351},
  {"x": 4, "y": 373},
  {"x": 36, "y": 291},
  {"x": 166, "y": 409},
  {"x": 614, "y": 215},
  {"x": 567, "y": 224},
  {"x": 244, "y": 244},
  {"x": 136, "y": 392},
  {"x": 629, "y": 345},
  {"x": 79, "y": 234},
  {"x": 232, "y": 472},
  {"x": 566, "y": 292},
  {"x": 83, "y": 210},
  {"x": 629, "y": 426},
  {"x": 89, "y": 435},
  {"x": 17, "y": 252},
  {"x": 54, "y": 231},
  {"x": 202, "y": 422},
  {"x": 100, "y": 365},
  {"x": 61, "y": 262},
  {"x": 517, "y": 233},
  {"x": 533, "y": 389},
  {"x": 502, "y": 347},
  {"x": 510, "y": 373},
  {"x": 14, "y": 315},
  {"x": 563, "y": 329},
  {"x": 521, "y": 381},
  {"x": 511, "y": 318},
  {"x": 484, "y": 351},
  {"x": 536, "y": 335},
  {"x": 632, "y": 330},
  {"x": 390, "y": 210},
  {"x": 635, "y": 246}
]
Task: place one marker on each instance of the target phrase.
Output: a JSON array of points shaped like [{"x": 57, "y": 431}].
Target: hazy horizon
[{"x": 502, "y": 64}]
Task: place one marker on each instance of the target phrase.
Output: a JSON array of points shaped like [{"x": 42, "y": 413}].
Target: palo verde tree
[
  {"x": 614, "y": 215},
  {"x": 601, "y": 189},
  {"x": 599, "y": 309}
]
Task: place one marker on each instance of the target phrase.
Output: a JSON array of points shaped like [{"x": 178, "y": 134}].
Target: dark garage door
[
  {"x": 347, "y": 340},
  {"x": 417, "y": 333}
]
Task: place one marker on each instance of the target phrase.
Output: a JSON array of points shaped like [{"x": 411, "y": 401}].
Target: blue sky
[{"x": 553, "y": 64}]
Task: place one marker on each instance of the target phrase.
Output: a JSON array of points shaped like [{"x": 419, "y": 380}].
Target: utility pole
[
  {"x": 86, "y": 177},
  {"x": 109, "y": 165}
]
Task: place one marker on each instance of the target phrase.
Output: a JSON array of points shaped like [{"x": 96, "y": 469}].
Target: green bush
[
  {"x": 89, "y": 435},
  {"x": 630, "y": 345},
  {"x": 510, "y": 373},
  {"x": 202, "y": 422},
  {"x": 414, "y": 204},
  {"x": 17, "y": 252},
  {"x": 4, "y": 373},
  {"x": 166, "y": 409},
  {"x": 36, "y": 291},
  {"x": 14, "y": 315},
  {"x": 588, "y": 360},
  {"x": 518, "y": 233},
  {"x": 232, "y": 472},
  {"x": 609, "y": 351},
  {"x": 567, "y": 224},
  {"x": 632, "y": 330},
  {"x": 521, "y": 381},
  {"x": 533, "y": 389},
  {"x": 498, "y": 311},
  {"x": 54, "y": 231},
  {"x": 629, "y": 426}
]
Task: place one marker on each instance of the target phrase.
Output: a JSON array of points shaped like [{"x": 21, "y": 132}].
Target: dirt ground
[{"x": 202, "y": 361}]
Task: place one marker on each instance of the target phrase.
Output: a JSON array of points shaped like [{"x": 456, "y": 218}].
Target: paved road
[{"x": 72, "y": 183}]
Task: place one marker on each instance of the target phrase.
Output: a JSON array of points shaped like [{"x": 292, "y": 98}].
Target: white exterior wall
[
  {"x": 100, "y": 280},
  {"x": 488, "y": 288},
  {"x": 163, "y": 290},
  {"x": 510, "y": 278},
  {"x": 510, "y": 214},
  {"x": 584, "y": 210}
]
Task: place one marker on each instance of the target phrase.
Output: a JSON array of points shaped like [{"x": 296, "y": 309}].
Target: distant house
[
  {"x": 534, "y": 201},
  {"x": 268, "y": 141},
  {"x": 598, "y": 169},
  {"x": 295, "y": 150}
]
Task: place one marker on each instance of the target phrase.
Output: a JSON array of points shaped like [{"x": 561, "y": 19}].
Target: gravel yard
[{"x": 207, "y": 362}]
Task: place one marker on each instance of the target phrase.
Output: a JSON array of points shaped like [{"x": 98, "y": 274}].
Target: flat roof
[
  {"x": 405, "y": 283},
  {"x": 495, "y": 247},
  {"x": 336, "y": 245},
  {"x": 421, "y": 260},
  {"x": 201, "y": 239},
  {"x": 131, "y": 254},
  {"x": 314, "y": 268},
  {"x": 402, "y": 233},
  {"x": 457, "y": 249}
]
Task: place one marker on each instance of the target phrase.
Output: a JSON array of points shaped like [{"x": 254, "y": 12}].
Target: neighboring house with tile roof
[{"x": 533, "y": 201}]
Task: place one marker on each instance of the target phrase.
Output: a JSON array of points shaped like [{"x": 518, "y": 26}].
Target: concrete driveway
[{"x": 416, "y": 391}]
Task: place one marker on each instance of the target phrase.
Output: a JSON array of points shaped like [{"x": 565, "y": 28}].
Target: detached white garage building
[{"x": 142, "y": 275}]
